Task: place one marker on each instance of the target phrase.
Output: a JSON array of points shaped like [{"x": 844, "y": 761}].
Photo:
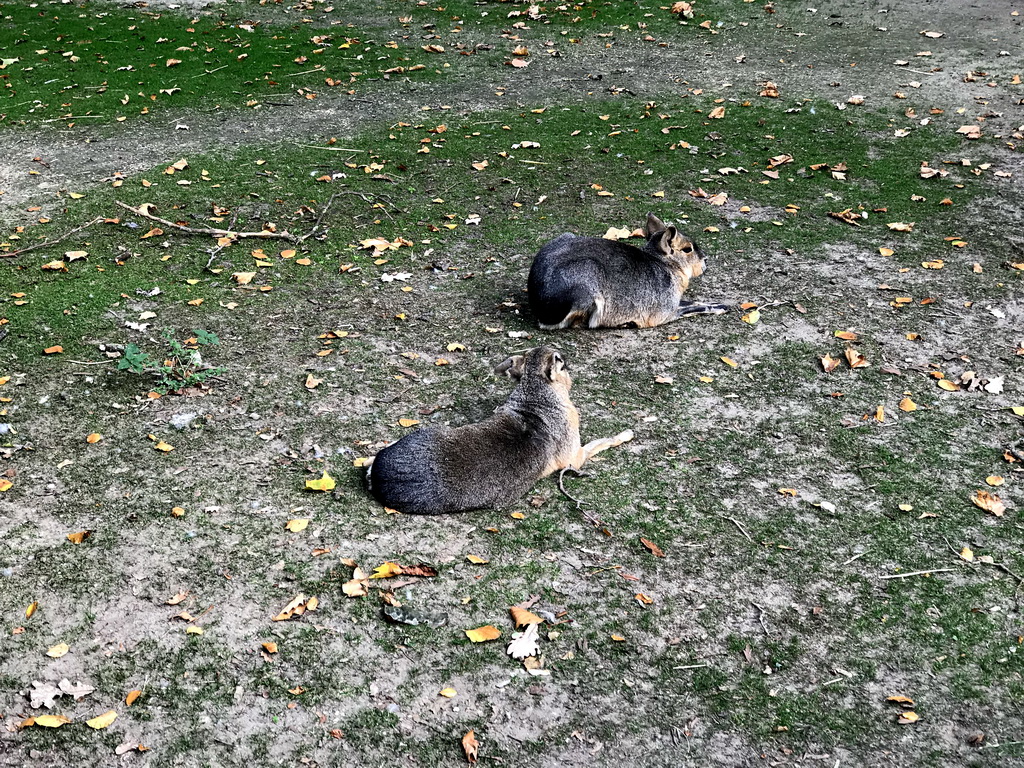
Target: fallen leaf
[
  {"x": 899, "y": 226},
  {"x": 243, "y": 278},
  {"x": 717, "y": 113},
  {"x": 989, "y": 502},
  {"x": 948, "y": 385},
  {"x": 965, "y": 554},
  {"x": 193, "y": 630},
  {"x": 386, "y": 570},
  {"x": 525, "y": 645},
  {"x": 324, "y": 483},
  {"x": 43, "y": 694},
  {"x": 846, "y": 335},
  {"x": 50, "y": 721},
  {"x": 908, "y": 717},
  {"x": 994, "y": 480},
  {"x": 729, "y": 361},
  {"x": 483, "y": 634},
  {"x": 102, "y": 721},
  {"x": 470, "y": 746},
  {"x": 297, "y": 524},
  {"x": 163, "y": 447},
  {"x": 448, "y": 693},
  {"x": 408, "y": 422},
  {"x": 855, "y": 358},
  {"x": 94, "y": 438},
  {"x": 829, "y": 363},
  {"x": 477, "y": 560},
  {"x": 298, "y": 606},
  {"x": 523, "y": 617},
  {"x": 79, "y": 536},
  {"x": 907, "y": 405},
  {"x": 751, "y": 317},
  {"x": 132, "y": 697},
  {"x": 56, "y": 651},
  {"x": 900, "y": 700},
  {"x": 269, "y": 647},
  {"x": 652, "y": 547},
  {"x": 32, "y": 608},
  {"x": 54, "y": 350}
]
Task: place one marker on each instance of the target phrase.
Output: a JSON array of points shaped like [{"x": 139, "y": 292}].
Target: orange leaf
[
  {"x": 483, "y": 634},
  {"x": 523, "y": 617},
  {"x": 132, "y": 697},
  {"x": 79, "y": 537},
  {"x": 470, "y": 746},
  {"x": 654, "y": 548}
]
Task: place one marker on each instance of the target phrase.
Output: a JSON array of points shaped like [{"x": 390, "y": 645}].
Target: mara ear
[
  {"x": 556, "y": 364},
  {"x": 513, "y": 367},
  {"x": 665, "y": 239},
  {"x": 684, "y": 244},
  {"x": 653, "y": 225}
]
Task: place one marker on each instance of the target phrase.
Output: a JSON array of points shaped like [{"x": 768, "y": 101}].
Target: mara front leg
[{"x": 594, "y": 447}]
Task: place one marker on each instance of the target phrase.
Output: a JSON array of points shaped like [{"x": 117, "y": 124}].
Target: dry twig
[
  {"x": 261, "y": 235},
  {"x": 51, "y": 242}
]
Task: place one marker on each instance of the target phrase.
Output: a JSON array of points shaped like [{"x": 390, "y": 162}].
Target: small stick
[
  {"x": 330, "y": 149},
  {"x": 316, "y": 224},
  {"x": 51, "y": 242},
  {"x": 263, "y": 235},
  {"x": 692, "y": 666},
  {"x": 94, "y": 362},
  {"x": 210, "y": 72},
  {"x": 736, "y": 522},
  {"x": 855, "y": 557},
  {"x": 915, "y": 573},
  {"x": 760, "y": 618},
  {"x": 321, "y": 68}
]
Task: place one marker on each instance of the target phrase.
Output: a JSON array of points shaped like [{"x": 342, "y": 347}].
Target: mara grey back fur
[
  {"x": 494, "y": 462},
  {"x": 595, "y": 283}
]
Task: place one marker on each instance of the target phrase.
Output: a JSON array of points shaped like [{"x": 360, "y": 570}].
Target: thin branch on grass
[
  {"x": 915, "y": 573},
  {"x": 760, "y": 618},
  {"x": 316, "y": 224},
  {"x": 330, "y": 149},
  {"x": 210, "y": 72},
  {"x": 55, "y": 240},
  {"x": 692, "y": 666},
  {"x": 261, "y": 235},
  {"x": 736, "y": 522},
  {"x": 856, "y": 557},
  {"x": 93, "y": 362},
  {"x": 308, "y": 71}
]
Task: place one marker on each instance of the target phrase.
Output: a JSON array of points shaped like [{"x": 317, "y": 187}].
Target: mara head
[
  {"x": 673, "y": 246},
  {"x": 544, "y": 362}
]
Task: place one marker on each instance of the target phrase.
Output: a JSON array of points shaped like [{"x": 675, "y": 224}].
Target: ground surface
[{"x": 793, "y": 506}]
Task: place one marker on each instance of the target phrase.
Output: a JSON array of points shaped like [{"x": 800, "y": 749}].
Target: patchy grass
[{"x": 769, "y": 626}]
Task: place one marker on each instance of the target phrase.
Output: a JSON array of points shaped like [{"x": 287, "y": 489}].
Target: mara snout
[
  {"x": 597, "y": 283},
  {"x": 494, "y": 462}
]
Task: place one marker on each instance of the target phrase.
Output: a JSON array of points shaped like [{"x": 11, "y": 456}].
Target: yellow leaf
[
  {"x": 288, "y": 253},
  {"x": 618, "y": 638},
  {"x": 886, "y": 251},
  {"x": 75, "y": 195},
  {"x": 829, "y": 363},
  {"x": 386, "y": 570},
  {"x": 483, "y": 634},
  {"x": 243, "y": 278},
  {"x": 94, "y": 438},
  {"x": 994, "y": 480},
  {"x": 270, "y": 647},
  {"x": 32, "y": 608},
  {"x": 298, "y": 606},
  {"x": 51, "y": 721},
  {"x": 846, "y": 335},
  {"x": 717, "y": 113},
  {"x": 729, "y": 361},
  {"x": 517, "y": 516},
  {"x": 193, "y": 630},
  {"x": 54, "y": 266},
  {"x": 476, "y": 560},
  {"x": 456, "y": 347},
  {"x": 751, "y": 317},
  {"x": 79, "y": 537},
  {"x": 298, "y": 524},
  {"x": 361, "y": 461},
  {"x": 900, "y": 700},
  {"x": 56, "y": 651},
  {"x": 448, "y": 693},
  {"x": 965, "y": 554},
  {"x": 196, "y": 302},
  {"x": 312, "y": 382},
  {"x": 408, "y": 422},
  {"x": 1018, "y": 410},
  {"x": 132, "y": 697},
  {"x": 855, "y": 358},
  {"x": 948, "y": 385},
  {"x": 177, "y": 512},
  {"x": 523, "y": 617},
  {"x": 644, "y": 599},
  {"x": 906, "y": 507},
  {"x": 908, "y": 405},
  {"x": 102, "y": 721},
  {"x": 325, "y": 483},
  {"x": 5, "y": 484},
  {"x": 304, "y": 262},
  {"x": 162, "y": 446},
  {"x": 908, "y": 717}
]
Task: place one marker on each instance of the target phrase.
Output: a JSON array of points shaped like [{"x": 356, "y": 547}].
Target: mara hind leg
[
  {"x": 687, "y": 308},
  {"x": 594, "y": 447},
  {"x": 589, "y": 314}
]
